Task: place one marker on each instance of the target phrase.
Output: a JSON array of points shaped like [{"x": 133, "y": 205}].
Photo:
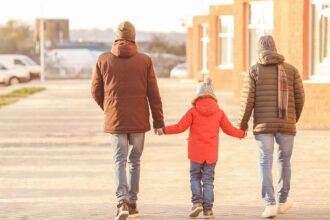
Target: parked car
[
  {"x": 17, "y": 61},
  {"x": 11, "y": 76},
  {"x": 179, "y": 71}
]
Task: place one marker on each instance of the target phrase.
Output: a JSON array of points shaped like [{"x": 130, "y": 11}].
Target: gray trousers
[{"x": 127, "y": 150}]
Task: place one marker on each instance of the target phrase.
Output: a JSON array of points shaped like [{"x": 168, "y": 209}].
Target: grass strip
[{"x": 15, "y": 95}]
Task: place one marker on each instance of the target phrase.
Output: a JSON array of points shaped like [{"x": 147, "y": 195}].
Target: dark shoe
[
  {"x": 195, "y": 210},
  {"x": 132, "y": 209},
  {"x": 122, "y": 212},
  {"x": 208, "y": 214}
]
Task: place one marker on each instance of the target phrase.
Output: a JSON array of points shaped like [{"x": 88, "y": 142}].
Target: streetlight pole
[{"x": 42, "y": 48}]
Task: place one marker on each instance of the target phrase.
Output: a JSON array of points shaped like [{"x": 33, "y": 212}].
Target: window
[
  {"x": 19, "y": 62},
  {"x": 261, "y": 19},
  {"x": 320, "y": 39},
  {"x": 204, "y": 30},
  {"x": 225, "y": 42},
  {"x": 2, "y": 67},
  {"x": 29, "y": 62}
]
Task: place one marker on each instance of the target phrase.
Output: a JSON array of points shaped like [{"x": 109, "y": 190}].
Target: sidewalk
[
  {"x": 56, "y": 163},
  {"x": 7, "y": 89}
]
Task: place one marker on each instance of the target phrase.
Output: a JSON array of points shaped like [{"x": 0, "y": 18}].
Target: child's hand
[
  {"x": 159, "y": 131},
  {"x": 245, "y": 134}
]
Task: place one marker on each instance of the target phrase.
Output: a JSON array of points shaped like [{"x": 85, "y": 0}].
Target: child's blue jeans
[{"x": 201, "y": 183}]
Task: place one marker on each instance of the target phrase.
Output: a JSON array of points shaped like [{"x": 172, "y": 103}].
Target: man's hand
[{"x": 159, "y": 131}]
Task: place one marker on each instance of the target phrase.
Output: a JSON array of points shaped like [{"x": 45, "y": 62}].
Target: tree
[
  {"x": 159, "y": 44},
  {"x": 16, "y": 37}
]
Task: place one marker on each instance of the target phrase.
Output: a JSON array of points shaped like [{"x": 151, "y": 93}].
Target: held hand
[
  {"x": 245, "y": 134},
  {"x": 159, "y": 131}
]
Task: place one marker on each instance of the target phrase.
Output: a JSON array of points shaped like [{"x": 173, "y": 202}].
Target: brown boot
[{"x": 132, "y": 209}]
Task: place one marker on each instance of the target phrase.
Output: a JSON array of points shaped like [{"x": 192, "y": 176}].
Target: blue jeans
[
  {"x": 127, "y": 188},
  {"x": 265, "y": 144},
  {"x": 202, "y": 173}
]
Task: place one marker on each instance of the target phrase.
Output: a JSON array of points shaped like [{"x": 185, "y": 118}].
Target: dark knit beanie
[{"x": 125, "y": 31}]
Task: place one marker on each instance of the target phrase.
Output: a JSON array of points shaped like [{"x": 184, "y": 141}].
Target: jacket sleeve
[
  {"x": 154, "y": 99},
  {"x": 247, "y": 100},
  {"x": 97, "y": 87},
  {"x": 299, "y": 95},
  {"x": 229, "y": 129},
  {"x": 181, "y": 126}
]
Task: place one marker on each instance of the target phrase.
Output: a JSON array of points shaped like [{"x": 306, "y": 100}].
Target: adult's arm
[
  {"x": 247, "y": 99},
  {"x": 154, "y": 99},
  {"x": 299, "y": 94},
  {"x": 97, "y": 87}
]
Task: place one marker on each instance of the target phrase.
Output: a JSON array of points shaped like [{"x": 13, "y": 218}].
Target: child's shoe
[
  {"x": 132, "y": 210},
  {"x": 284, "y": 207},
  {"x": 270, "y": 211},
  {"x": 196, "y": 209},
  {"x": 208, "y": 214}
]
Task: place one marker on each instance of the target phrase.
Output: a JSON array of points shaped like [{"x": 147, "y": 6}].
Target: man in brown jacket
[
  {"x": 124, "y": 85},
  {"x": 273, "y": 90}
]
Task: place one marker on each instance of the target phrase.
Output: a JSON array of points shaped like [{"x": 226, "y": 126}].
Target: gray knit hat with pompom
[{"x": 205, "y": 89}]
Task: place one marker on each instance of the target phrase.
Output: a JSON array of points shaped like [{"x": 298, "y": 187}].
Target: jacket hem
[
  {"x": 272, "y": 132},
  {"x": 126, "y": 131},
  {"x": 199, "y": 161}
]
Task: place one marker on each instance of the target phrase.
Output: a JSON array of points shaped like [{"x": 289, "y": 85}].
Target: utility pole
[{"x": 42, "y": 48}]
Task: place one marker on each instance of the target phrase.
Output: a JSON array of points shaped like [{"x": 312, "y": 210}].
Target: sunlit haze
[{"x": 147, "y": 15}]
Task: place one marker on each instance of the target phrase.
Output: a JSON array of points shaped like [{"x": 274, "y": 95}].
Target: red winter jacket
[{"x": 204, "y": 120}]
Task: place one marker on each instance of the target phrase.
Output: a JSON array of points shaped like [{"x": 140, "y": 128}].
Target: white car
[
  {"x": 179, "y": 71},
  {"x": 17, "y": 61},
  {"x": 10, "y": 76}
]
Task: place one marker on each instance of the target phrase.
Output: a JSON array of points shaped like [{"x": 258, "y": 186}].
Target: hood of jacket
[
  {"x": 124, "y": 48},
  {"x": 206, "y": 106},
  {"x": 270, "y": 57}
]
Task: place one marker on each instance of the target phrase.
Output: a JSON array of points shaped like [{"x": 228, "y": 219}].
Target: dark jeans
[{"x": 201, "y": 183}]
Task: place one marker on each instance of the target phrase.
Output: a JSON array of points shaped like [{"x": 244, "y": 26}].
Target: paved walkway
[{"x": 55, "y": 162}]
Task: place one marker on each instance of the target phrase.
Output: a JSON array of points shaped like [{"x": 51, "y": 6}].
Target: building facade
[
  {"x": 56, "y": 31},
  {"x": 223, "y": 45}
]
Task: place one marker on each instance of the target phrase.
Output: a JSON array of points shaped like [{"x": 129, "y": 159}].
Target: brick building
[
  {"x": 56, "y": 31},
  {"x": 223, "y": 45}
]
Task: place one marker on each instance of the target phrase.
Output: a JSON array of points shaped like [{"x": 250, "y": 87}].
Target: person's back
[
  {"x": 273, "y": 89},
  {"x": 204, "y": 119},
  {"x": 124, "y": 85},
  {"x": 126, "y": 75},
  {"x": 264, "y": 81}
]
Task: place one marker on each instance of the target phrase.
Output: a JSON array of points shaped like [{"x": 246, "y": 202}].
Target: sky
[{"x": 146, "y": 15}]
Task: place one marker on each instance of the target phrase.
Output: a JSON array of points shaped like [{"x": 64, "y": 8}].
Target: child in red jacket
[{"x": 204, "y": 119}]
